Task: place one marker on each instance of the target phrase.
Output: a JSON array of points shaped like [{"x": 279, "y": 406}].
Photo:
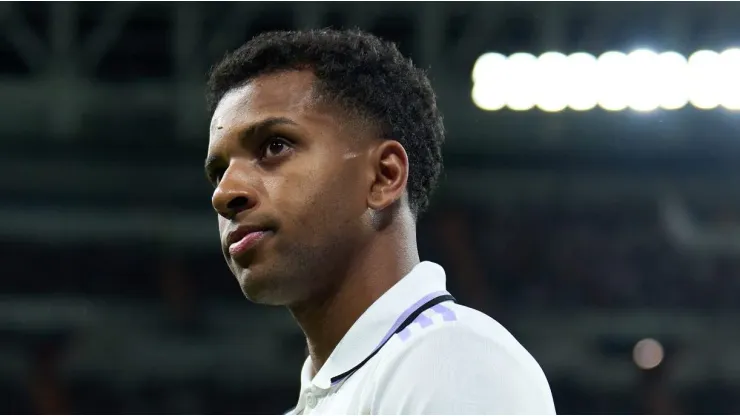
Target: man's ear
[{"x": 391, "y": 172}]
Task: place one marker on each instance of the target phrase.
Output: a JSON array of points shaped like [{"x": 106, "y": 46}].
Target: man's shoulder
[
  {"x": 459, "y": 323},
  {"x": 472, "y": 356},
  {"x": 471, "y": 338}
]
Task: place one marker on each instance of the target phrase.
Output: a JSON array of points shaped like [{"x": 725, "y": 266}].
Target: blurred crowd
[
  {"x": 525, "y": 256},
  {"x": 557, "y": 256},
  {"x": 535, "y": 257}
]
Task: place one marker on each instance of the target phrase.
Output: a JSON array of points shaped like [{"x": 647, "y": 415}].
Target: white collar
[{"x": 425, "y": 281}]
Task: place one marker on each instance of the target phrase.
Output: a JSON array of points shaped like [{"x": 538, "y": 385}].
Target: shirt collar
[{"x": 425, "y": 281}]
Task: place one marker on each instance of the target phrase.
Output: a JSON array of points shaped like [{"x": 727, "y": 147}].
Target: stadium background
[{"x": 606, "y": 241}]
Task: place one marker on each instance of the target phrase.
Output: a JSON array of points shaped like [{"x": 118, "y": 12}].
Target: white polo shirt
[{"x": 449, "y": 359}]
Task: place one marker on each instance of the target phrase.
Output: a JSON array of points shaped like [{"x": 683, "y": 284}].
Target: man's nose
[{"x": 233, "y": 195}]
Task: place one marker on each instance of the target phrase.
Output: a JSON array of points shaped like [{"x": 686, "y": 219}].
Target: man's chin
[
  {"x": 263, "y": 297},
  {"x": 262, "y": 288}
]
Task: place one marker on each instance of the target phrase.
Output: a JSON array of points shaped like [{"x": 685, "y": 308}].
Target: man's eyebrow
[
  {"x": 213, "y": 160},
  {"x": 266, "y": 124}
]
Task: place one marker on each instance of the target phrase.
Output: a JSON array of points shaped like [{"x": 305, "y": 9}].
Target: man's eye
[{"x": 275, "y": 147}]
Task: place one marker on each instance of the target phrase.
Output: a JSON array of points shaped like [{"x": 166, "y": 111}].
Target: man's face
[{"x": 290, "y": 187}]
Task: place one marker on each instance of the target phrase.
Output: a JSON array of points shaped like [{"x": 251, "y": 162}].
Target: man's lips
[
  {"x": 247, "y": 242},
  {"x": 244, "y": 238}
]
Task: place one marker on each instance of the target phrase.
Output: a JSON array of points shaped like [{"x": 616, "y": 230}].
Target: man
[{"x": 324, "y": 148}]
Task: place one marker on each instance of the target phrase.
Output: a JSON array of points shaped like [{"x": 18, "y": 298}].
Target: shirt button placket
[{"x": 311, "y": 400}]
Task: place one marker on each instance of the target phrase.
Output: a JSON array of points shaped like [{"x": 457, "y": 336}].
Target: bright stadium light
[
  {"x": 488, "y": 66},
  {"x": 613, "y": 86},
  {"x": 522, "y": 70},
  {"x": 673, "y": 84},
  {"x": 704, "y": 79},
  {"x": 642, "y": 78},
  {"x": 552, "y": 91},
  {"x": 730, "y": 79},
  {"x": 642, "y": 81},
  {"x": 581, "y": 81},
  {"x": 489, "y": 96},
  {"x": 491, "y": 82}
]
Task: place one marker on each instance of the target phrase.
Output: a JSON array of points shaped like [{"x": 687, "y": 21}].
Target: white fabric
[{"x": 452, "y": 360}]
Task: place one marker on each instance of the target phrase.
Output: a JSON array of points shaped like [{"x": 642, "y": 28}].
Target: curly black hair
[{"x": 365, "y": 76}]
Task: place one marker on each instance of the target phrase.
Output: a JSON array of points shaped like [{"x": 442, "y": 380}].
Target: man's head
[{"x": 320, "y": 140}]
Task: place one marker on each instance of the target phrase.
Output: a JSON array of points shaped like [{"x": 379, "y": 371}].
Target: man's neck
[{"x": 380, "y": 266}]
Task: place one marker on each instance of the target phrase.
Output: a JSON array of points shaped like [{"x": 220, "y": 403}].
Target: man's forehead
[{"x": 284, "y": 93}]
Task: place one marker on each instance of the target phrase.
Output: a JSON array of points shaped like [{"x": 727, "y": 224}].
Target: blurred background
[{"x": 591, "y": 200}]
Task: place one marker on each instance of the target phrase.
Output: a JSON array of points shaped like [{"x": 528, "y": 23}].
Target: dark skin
[{"x": 330, "y": 195}]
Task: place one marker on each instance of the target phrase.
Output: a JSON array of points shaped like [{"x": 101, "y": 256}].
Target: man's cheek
[{"x": 222, "y": 224}]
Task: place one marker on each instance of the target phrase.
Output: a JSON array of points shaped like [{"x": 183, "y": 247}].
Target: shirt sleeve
[{"x": 455, "y": 370}]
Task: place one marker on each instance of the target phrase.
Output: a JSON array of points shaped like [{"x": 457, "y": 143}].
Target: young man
[{"x": 324, "y": 148}]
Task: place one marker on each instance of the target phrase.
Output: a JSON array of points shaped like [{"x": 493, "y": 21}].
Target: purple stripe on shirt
[
  {"x": 423, "y": 321},
  {"x": 447, "y": 313},
  {"x": 411, "y": 309},
  {"x": 405, "y": 334}
]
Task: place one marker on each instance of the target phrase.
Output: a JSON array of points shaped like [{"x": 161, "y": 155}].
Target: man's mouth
[
  {"x": 247, "y": 242},
  {"x": 244, "y": 238}
]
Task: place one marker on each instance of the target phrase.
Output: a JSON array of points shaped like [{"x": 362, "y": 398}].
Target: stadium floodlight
[
  {"x": 704, "y": 79},
  {"x": 490, "y": 77},
  {"x": 613, "y": 88},
  {"x": 489, "y": 96},
  {"x": 522, "y": 70},
  {"x": 673, "y": 83},
  {"x": 552, "y": 90},
  {"x": 489, "y": 65},
  {"x": 582, "y": 81},
  {"x": 642, "y": 79},
  {"x": 730, "y": 79}
]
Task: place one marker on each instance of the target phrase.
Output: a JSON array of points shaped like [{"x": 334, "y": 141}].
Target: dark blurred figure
[
  {"x": 47, "y": 390},
  {"x": 180, "y": 295},
  {"x": 656, "y": 397}
]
